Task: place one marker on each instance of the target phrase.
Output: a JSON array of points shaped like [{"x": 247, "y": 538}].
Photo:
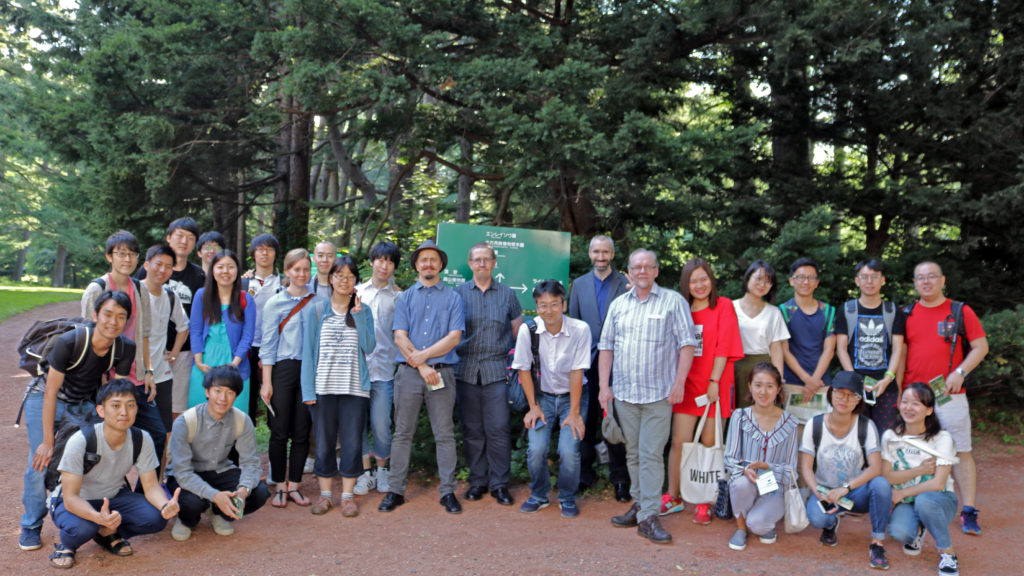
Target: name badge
[{"x": 766, "y": 483}]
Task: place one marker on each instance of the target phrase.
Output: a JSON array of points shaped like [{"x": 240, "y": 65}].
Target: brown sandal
[
  {"x": 280, "y": 499},
  {"x": 295, "y": 496}
]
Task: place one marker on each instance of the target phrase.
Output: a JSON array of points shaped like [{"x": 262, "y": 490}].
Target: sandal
[
  {"x": 114, "y": 544},
  {"x": 295, "y": 496},
  {"x": 280, "y": 499},
  {"x": 62, "y": 557}
]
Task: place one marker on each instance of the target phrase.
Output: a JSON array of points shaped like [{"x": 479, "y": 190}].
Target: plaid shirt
[{"x": 484, "y": 348}]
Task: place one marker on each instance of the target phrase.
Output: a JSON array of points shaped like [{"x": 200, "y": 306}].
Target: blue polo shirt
[{"x": 428, "y": 314}]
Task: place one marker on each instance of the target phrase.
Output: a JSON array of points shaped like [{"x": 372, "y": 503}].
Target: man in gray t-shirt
[{"x": 96, "y": 503}]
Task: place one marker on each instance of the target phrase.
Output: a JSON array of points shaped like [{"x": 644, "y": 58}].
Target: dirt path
[{"x": 419, "y": 538}]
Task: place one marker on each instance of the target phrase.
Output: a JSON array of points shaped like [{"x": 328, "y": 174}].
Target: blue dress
[{"x": 218, "y": 352}]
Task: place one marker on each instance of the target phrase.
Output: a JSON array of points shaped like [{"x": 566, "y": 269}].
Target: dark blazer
[{"x": 583, "y": 302}]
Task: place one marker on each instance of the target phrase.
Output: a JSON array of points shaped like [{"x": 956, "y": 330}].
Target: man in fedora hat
[{"x": 428, "y": 325}]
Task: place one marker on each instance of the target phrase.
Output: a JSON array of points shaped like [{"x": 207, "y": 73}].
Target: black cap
[
  {"x": 849, "y": 381},
  {"x": 428, "y": 245}
]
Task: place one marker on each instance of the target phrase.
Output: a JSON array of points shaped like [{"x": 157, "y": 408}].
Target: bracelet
[
  {"x": 890, "y": 374},
  {"x": 712, "y": 381}
]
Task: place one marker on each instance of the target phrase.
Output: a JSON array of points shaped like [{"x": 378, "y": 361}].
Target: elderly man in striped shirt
[{"x": 647, "y": 348}]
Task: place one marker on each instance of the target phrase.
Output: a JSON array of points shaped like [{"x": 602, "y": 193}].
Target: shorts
[{"x": 955, "y": 417}]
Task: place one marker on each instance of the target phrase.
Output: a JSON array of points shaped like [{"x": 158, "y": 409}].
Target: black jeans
[
  {"x": 192, "y": 506},
  {"x": 291, "y": 422}
]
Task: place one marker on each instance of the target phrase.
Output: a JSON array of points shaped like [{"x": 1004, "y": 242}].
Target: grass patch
[{"x": 14, "y": 300}]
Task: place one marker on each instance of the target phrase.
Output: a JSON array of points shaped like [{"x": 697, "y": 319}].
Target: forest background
[{"x": 731, "y": 130}]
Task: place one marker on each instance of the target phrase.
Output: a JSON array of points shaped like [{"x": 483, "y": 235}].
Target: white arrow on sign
[
  {"x": 521, "y": 288},
  {"x": 499, "y": 276}
]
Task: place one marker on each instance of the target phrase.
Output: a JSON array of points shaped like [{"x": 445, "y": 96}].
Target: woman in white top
[
  {"x": 762, "y": 327},
  {"x": 845, "y": 463},
  {"x": 919, "y": 456}
]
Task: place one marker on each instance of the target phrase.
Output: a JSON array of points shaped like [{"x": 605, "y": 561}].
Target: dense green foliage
[{"x": 731, "y": 130}]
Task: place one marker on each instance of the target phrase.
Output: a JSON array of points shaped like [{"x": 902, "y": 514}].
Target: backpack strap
[
  {"x": 91, "y": 456},
  {"x": 850, "y": 311},
  {"x": 959, "y": 332},
  {"x": 862, "y": 438},
  {"x": 136, "y": 444},
  {"x": 192, "y": 422},
  {"x": 535, "y": 349},
  {"x": 788, "y": 309},
  {"x": 82, "y": 340},
  {"x": 888, "y": 318},
  {"x": 239, "y": 422},
  {"x": 101, "y": 281},
  {"x": 816, "y": 424},
  {"x": 830, "y": 316}
]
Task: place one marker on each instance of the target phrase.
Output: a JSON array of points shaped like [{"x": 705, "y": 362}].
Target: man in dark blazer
[{"x": 590, "y": 296}]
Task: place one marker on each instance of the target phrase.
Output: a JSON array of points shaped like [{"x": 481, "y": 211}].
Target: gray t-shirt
[
  {"x": 107, "y": 477},
  {"x": 839, "y": 459}
]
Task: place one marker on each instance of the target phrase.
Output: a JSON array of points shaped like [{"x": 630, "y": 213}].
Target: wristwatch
[
  {"x": 961, "y": 372},
  {"x": 847, "y": 486},
  {"x": 150, "y": 372}
]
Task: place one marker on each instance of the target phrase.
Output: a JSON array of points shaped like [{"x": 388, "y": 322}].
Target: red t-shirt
[
  {"x": 718, "y": 334},
  {"x": 927, "y": 348}
]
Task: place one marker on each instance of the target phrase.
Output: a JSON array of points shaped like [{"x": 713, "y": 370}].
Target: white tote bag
[
  {"x": 796, "y": 512},
  {"x": 701, "y": 467}
]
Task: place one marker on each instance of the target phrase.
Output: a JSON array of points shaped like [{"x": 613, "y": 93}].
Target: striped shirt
[
  {"x": 484, "y": 348},
  {"x": 746, "y": 443},
  {"x": 646, "y": 337},
  {"x": 337, "y": 370}
]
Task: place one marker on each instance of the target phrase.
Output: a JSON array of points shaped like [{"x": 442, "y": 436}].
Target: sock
[
  {"x": 326, "y": 494},
  {"x": 347, "y": 496}
]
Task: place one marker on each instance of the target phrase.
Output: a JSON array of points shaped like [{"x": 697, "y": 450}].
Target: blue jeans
[
  {"x": 382, "y": 394},
  {"x": 138, "y": 517},
  {"x": 33, "y": 495},
  {"x": 875, "y": 498},
  {"x": 933, "y": 509},
  {"x": 556, "y": 410},
  {"x": 148, "y": 419}
]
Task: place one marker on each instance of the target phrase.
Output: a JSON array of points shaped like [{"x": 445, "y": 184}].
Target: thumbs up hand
[
  {"x": 109, "y": 519},
  {"x": 171, "y": 508}
]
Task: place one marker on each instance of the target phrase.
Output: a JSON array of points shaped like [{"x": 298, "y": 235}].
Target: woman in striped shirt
[
  {"x": 762, "y": 438},
  {"x": 336, "y": 382}
]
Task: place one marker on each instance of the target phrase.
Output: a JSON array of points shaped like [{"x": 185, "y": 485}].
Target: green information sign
[{"x": 525, "y": 257}]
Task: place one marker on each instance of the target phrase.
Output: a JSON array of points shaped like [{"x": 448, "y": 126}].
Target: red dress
[{"x": 718, "y": 334}]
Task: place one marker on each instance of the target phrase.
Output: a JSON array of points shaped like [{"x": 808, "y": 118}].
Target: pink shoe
[
  {"x": 703, "y": 515},
  {"x": 671, "y": 504}
]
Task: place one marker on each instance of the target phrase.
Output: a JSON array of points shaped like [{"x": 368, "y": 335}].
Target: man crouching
[
  {"x": 94, "y": 501},
  {"x": 201, "y": 440}
]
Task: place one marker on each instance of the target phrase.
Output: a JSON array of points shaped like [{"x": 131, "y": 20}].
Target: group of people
[{"x": 345, "y": 366}]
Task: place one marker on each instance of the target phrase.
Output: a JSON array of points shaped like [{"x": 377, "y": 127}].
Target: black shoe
[
  {"x": 390, "y": 502},
  {"x": 476, "y": 492},
  {"x": 627, "y": 520},
  {"x": 503, "y": 496},
  {"x": 451, "y": 504},
  {"x": 622, "y": 492},
  {"x": 651, "y": 529}
]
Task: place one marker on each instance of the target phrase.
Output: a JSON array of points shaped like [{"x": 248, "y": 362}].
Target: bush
[{"x": 1000, "y": 376}]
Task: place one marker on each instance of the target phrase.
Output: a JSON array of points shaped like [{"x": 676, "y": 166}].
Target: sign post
[{"x": 525, "y": 257}]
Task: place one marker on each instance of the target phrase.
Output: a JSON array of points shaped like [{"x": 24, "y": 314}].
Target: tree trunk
[
  {"x": 19, "y": 262},
  {"x": 59, "y": 260},
  {"x": 462, "y": 205}
]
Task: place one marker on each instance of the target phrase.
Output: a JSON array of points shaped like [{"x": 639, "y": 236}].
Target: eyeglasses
[
  {"x": 481, "y": 261},
  {"x": 263, "y": 250},
  {"x": 928, "y": 277},
  {"x": 802, "y": 278},
  {"x": 845, "y": 394},
  {"x": 343, "y": 278},
  {"x": 125, "y": 254},
  {"x": 869, "y": 277},
  {"x": 211, "y": 248}
]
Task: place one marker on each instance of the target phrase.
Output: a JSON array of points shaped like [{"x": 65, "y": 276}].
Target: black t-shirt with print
[{"x": 82, "y": 381}]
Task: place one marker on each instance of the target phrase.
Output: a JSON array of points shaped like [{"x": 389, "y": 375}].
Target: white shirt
[
  {"x": 160, "y": 312},
  {"x": 560, "y": 353},
  {"x": 839, "y": 459},
  {"x": 759, "y": 332}
]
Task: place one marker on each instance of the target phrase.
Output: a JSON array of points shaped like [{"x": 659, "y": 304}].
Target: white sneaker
[
  {"x": 221, "y": 525},
  {"x": 366, "y": 482},
  {"x": 180, "y": 532},
  {"x": 308, "y": 468},
  {"x": 948, "y": 565},
  {"x": 913, "y": 548},
  {"x": 382, "y": 480},
  {"x": 270, "y": 475}
]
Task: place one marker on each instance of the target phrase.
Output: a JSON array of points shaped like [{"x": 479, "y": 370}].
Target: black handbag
[{"x": 723, "y": 504}]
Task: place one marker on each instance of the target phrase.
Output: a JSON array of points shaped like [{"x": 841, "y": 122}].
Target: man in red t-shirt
[{"x": 929, "y": 340}]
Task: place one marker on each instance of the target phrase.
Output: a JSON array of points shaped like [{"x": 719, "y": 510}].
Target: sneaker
[
  {"x": 768, "y": 537},
  {"x": 366, "y": 482},
  {"x": 671, "y": 504},
  {"x": 876, "y": 556},
  {"x": 308, "y": 468},
  {"x": 948, "y": 566},
  {"x": 969, "y": 521},
  {"x": 828, "y": 535},
  {"x": 221, "y": 525},
  {"x": 349, "y": 508},
  {"x": 702, "y": 515},
  {"x": 382, "y": 480},
  {"x": 29, "y": 539},
  {"x": 738, "y": 540},
  {"x": 533, "y": 505},
  {"x": 913, "y": 548},
  {"x": 179, "y": 531},
  {"x": 322, "y": 506},
  {"x": 270, "y": 477},
  {"x": 569, "y": 509}
]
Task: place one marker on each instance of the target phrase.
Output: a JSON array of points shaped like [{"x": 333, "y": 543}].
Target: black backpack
[
  {"x": 91, "y": 457},
  {"x": 957, "y": 334},
  {"x": 37, "y": 342},
  {"x": 862, "y": 436},
  {"x": 514, "y": 390}
]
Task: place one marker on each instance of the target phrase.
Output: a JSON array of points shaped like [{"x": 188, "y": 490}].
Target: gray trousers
[
  {"x": 646, "y": 429},
  {"x": 761, "y": 512},
  {"x": 486, "y": 439},
  {"x": 411, "y": 393}
]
